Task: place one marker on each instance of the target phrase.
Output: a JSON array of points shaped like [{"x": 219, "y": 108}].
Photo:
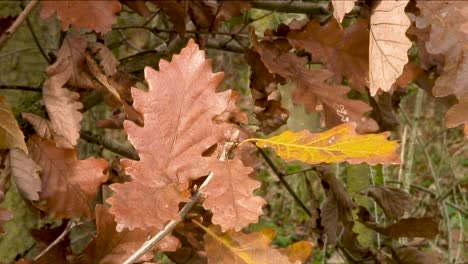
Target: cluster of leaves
[{"x": 193, "y": 141}]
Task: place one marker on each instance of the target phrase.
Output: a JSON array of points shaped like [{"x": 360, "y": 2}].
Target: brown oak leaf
[
  {"x": 313, "y": 88},
  {"x": 427, "y": 227},
  {"x": 229, "y": 195},
  {"x": 97, "y": 15},
  {"x": 26, "y": 174},
  {"x": 393, "y": 201},
  {"x": 411, "y": 255},
  {"x": 178, "y": 112},
  {"x": 343, "y": 51},
  {"x": 448, "y": 36},
  {"x": 11, "y": 135},
  {"x": 69, "y": 185},
  {"x": 263, "y": 86},
  {"x": 111, "y": 247}
]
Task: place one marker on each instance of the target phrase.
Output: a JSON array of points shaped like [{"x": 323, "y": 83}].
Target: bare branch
[
  {"x": 108, "y": 144},
  {"x": 9, "y": 32},
  {"x": 300, "y": 7}
]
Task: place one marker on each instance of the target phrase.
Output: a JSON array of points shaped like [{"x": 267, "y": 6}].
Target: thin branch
[
  {"x": 299, "y": 7},
  {"x": 149, "y": 244},
  {"x": 36, "y": 40},
  {"x": 280, "y": 176},
  {"x": 67, "y": 229},
  {"x": 108, "y": 144},
  {"x": 23, "y": 88},
  {"x": 24, "y": 14},
  {"x": 213, "y": 44}
]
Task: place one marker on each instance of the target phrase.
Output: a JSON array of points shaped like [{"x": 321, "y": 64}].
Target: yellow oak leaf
[{"x": 338, "y": 144}]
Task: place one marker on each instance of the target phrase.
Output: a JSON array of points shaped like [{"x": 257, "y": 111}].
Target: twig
[
  {"x": 108, "y": 144},
  {"x": 24, "y": 14},
  {"x": 36, "y": 40},
  {"x": 280, "y": 176},
  {"x": 23, "y": 88},
  {"x": 67, "y": 229},
  {"x": 292, "y": 7},
  {"x": 149, "y": 244}
]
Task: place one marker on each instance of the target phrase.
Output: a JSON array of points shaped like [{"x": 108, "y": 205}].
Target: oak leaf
[
  {"x": 97, "y": 15},
  {"x": 341, "y": 7},
  {"x": 41, "y": 126},
  {"x": 312, "y": 87},
  {"x": 393, "y": 201},
  {"x": 178, "y": 110},
  {"x": 448, "y": 36},
  {"x": 239, "y": 248},
  {"x": 426, "y": 227},
  {"x": 338, "y": 144},
  {"x": 388, "y": 44},
  {"x": 11, "y": 135},
  {"x": 69, "y": 185},
  {"x": 62, "y": 104},
  {"x": 229, "y": 195},
  {"x": 411, "y": 255},
  {"x": 111, "y": 246},
  {"x": 263, "y": 86},
  {"x": 343, "y": 51},
  {"x": 26, "y": 174}
]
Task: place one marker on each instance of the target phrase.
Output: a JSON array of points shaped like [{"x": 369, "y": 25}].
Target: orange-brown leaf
[
  {"x": 229, "y": 195},
  {"x": 69, "y": 185},
  {"x": 97, "y": 15},
  {"x": 178, "y": 109},
  {"x": 338, "y": 144},
  {"x": 239, "y": 248},
  {"x": 111, "y": 246},
  {"x": 343, "y": 51},
  {"x": 11, "y": 135},
  {"x": 313, "y": 87}
]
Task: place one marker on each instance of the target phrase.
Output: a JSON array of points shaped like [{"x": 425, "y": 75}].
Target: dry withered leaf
[
  {"x": 111, "y": 247},
  {"x": 393, "y": 201},
  {"x": 340, "y": 8},
  {"x": 411, "y": 255},
  {"x": 96, "y": 15},
  {"x": 343, "y": 51},
  {"x": 237, "y": 247},
  {"x": 69, "y": 185},
  {"x": 338, "y": 144},
  {"x": 138, "y": 6},
  {"x": 229, "y": 195},
  {"x": 388, "y": 44},
  {"x": 312, "y": 87},
  {"x": 26, "y": 174},
  {"x": 62, "y": 104},
  {"x": 329, "y": 219},
  {"x": 206, "y": 15},
  {"x": 107, "y": 59},
  {"x": 41, "y": 126},
  {"x": 11, "y": 135},
  {"x": 178, "y": 109},
  {"x": 448, "y": 35},
  {"x": 426, "y": 227},
  {"x": 263, "y": 86}
]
